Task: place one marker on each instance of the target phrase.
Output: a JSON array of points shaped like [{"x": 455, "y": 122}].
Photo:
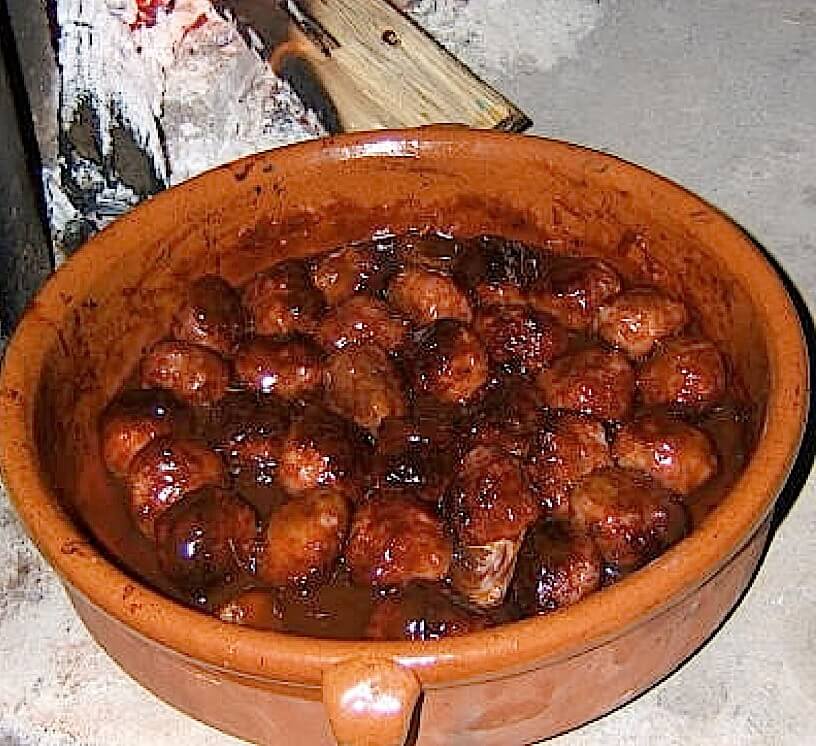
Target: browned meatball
[
  {"x": 499, "y": 294},
  {"x": 132, "y": 420},
  {"x": 631, "y": 519},
  {"x": 420, "y": 612},
  {"x": 257, "y": 607},
  {"x": 205, "y": 538},
  {"x": 520, "y": 338},
  {"x": 322, "y": 450},
  {"x": 164, "y": 472},
  {"x": 212, "y": 316},
  {"x": 362, "y": 320},
  {"x": 593, "y": 381},
  {"x": 345, "y": 272},
  {"x": 688, "y": 373},
  {"x": 573, "y": 289},
  {"x": 678, "y": 456},
  {"x": 509, "y": 417},
  {"x": 426, "y": 295},
  {"x": 557, "y": 567},
  {"x": 396, "y": 540},
  {"x": 290, "y": 367},
  {"x": 283, "y": 300},
  {"x": 192, "y": 373},
  {"x": 361, "y": 383},
  {"x": 571, "y": 446},
  {"x": 415, "y": 454},
  {"x": 490, "y": 498},
  {"x": 636, "y": 319},
  {"x": 303, "y": 538},
  {"x": 250, "y": 432},
  {"x": 450, "y": 362}
]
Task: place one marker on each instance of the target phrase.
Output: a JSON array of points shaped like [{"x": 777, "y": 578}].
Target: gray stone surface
[{"x": 718, "y": 96}]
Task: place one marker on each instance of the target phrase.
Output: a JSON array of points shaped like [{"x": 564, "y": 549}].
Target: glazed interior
[{"x": 119, "y": 294}]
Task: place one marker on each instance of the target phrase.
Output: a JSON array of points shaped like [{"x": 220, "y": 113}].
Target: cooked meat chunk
[
  {"x": 520, "y": 338},
  {"x": 132, "y": 420},
  {"x": 282, "y": 300},
  {"x": 638, "y": 318},
  {"x": 592, "y": 381},
  {"x": 205, "y": 538},
  {"x": 573, "y": 289},
  {"x": 427, "y": 295},
  {"x": 212, "y": 316},
  {"x": 362, "y": 320},
  {"x": 687, "y": 373},
  {"x": 509, "y": 417},
  {"x": 347, "y": 271},
  {"x": 361, "y": 383},
  {"x": 420, "y": 612},
  {"x": 450, "y": 362},
  {"x": 250, "y": 432},
  {"x": 192, "y": 373},
  {"x": 557, "y": 567},
  {"x": 395, "y": 540},
  {"x": 290, "y": 367},
  {"x": 499, "y": 294},
  {"x": 631, "y": 519},
  {"x": 568, "y": 448},
  {"x": 303, "y": 538},
  {"x": 166, "y": 470},
  {"x": 677, "y": 455},
  {"x": 260, "y": 608},
  {"x": 322, "y": 450}
]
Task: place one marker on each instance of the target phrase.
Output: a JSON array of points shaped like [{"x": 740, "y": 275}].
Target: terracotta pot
[{"x": 514, "y": 684}]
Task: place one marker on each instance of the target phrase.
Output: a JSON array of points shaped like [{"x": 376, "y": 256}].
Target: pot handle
[{"x": 370, "y": 701}]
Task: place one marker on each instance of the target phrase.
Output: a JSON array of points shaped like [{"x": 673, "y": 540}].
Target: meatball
[
  {"x": 490, "y": 507},
  {"x": 636, "y": 319},
  {"x": 509, "y": 417},
  {"x": 283, "y": 300},
  {"x": 250, "y": 433},
  {"x": 345, "y": 272},
  {"x": 303, "y": 538},
  {"x": 396, "y": 540},
  {"x": 420, "y": 612},
  {"x": 677, "y": 455},
  {"x": 362, "y": 384},
  {"x": 557, "y": 567},
  {"x": 203, "y": 540},
  {"x": 415, "y": 454},
  {"x": 290, "y": 367},
  {"x": 322, "y": 450},
  {"x": 490, "y": 498},
  {"x": 193, "y": 373},
  {"x": 499, "y": 294},
  {"x": 687, "y": 373},
  {"x": 166, "y": 470},
  {"x": 212, "y": 316},
  {"x": 257, "y": 607},
  {"x": 573, "y": 289},
  {"x": 520, "y": 338},
  {"x": 450, "y": 362},
  {"x": 593, "y": 381},
  {"x": 571, "y": 446},
  {"x": 426, "y": 295},
  {"x": 132, "y": 420},
  {"x": 362, "y": 320},
  {"x": 631, "y": 519}
]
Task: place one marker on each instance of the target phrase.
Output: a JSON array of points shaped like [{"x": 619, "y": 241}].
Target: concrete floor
[{"x": 721, "y": 97}]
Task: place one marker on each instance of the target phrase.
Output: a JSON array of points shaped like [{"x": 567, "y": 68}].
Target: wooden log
[{"x": 363, "y": 64}]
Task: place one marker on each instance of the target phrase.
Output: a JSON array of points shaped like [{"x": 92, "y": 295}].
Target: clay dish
[{"x": 510, "y": 685}]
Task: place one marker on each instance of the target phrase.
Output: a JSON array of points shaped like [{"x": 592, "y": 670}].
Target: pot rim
[{"x": 480, "y": 655}]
